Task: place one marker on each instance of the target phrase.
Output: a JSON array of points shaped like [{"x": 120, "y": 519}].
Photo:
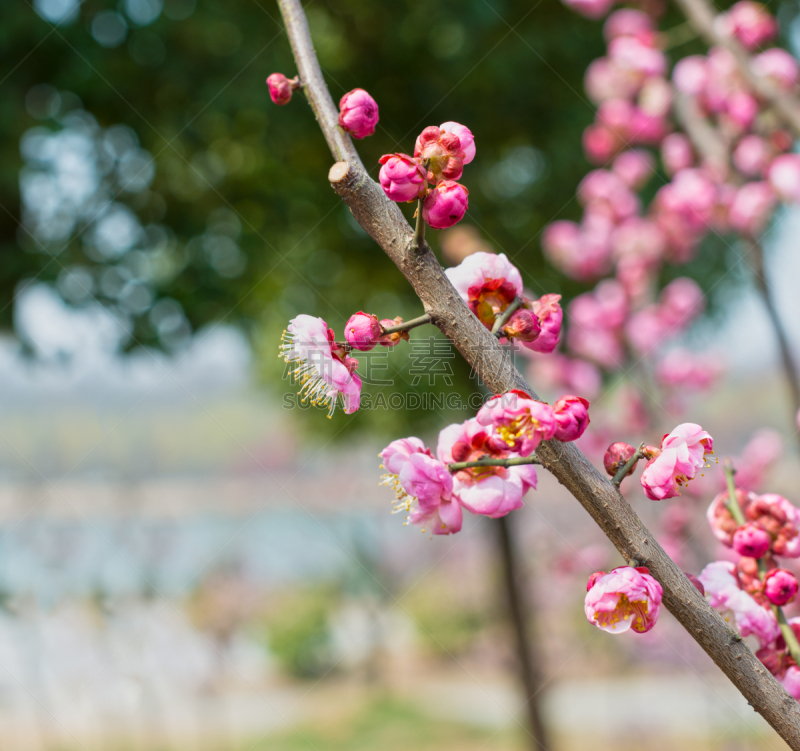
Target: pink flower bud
[
  {"x": 751, "y": 540},
  {"x": 362, "y": 331},
  {"x": 690, "y": 75},
  {"x": 593, "y": 578},
  {"x": 442, "y": 152},
  {"x": 778, "y": 66},
  {"x": 358, "y": 113},
  {"x": 634, "y": 167},
  {"x": 523, "y": 326},
  {"x": 392, "y": 340},
  {"x": 784, "y": 176},
  {"x": 615, "y": 457},
  {"x": 600, "y": 143},
  {"x": 402, "y": 177},
  {"x": 445, "y": 205},
  {"x": 780, "y": 586},
  {"x": 465, "y": 138},
  {"x": 572, "y": 416},
  {"x": 681, "y": 301},
  {"x": 698, "y": 585},
  {"x": 676, "y": 153},
  {"x": 627, "y": 22},
  {"x": 750, "y": 22},
  {"x": 751, "y": 208},
  {"x": 751, "y": 155},
  {"x": 742, "y": 108},
  {"x": 280, "y": 88},
  {"x": 548, "y": 310}
]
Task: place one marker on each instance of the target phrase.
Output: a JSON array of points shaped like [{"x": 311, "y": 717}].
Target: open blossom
[
  {"x": 724, "y": 593},
  {"x": 635, "y": 167},
  {"x": 572, "y": 417},
  {"x": 362, "y": 331},
  {"x": 424, "y": 486},
  {"x": 521, "y": 422},
  {"x": 402, "y": 177},
  {"x": 548, "y": 310},
  {"x": 780, "y": 586},
  {"x": 683, "y": 452},
  {"x": 625, "y": 598},
  {"x": 445, "y": 205},
  {"x": 750, "y": 22},
  {"x": 442, "y": 151},
  {"x": 487, "y": 282},
  {"x": 280, "y": 88},
  {"x": 772, "y": 512},
  {"x": 358, "y": 113},
  {"x": 323, "y": 367},
  {"x": 490, "y": 491}
]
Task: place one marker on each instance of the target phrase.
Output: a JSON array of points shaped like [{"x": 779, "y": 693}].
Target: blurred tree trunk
[{"x": 529, "y": 661}]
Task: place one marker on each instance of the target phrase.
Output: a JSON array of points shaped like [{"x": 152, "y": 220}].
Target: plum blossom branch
[
  {"x": 626, "y": 468},
  {"x": 513, "y": 461},
  {"x": 385, "y": 223},
  {"x": 406, "y": 325}
]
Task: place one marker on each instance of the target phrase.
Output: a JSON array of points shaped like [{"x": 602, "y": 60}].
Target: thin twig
[
  {"x": 406, "y": 325},
  {"x": 622, "y": 472},
  {"x": 502, "y": 319},
  {"x": 488, "y": 461}
]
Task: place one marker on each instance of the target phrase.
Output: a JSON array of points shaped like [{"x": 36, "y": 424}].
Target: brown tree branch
[
  {"x": 384, "y": 221},
  {"x": 702, "y": 16}
]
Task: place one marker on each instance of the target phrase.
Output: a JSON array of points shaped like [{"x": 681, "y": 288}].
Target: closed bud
[
  {"x": 392, "y": 340},
  {"x": 572, "y": 416},
  {"x": 402, "y": 177},
  {"x": 362, "y": 331},
  {"x": 780, "y": 586},
  {"x": 358, "y": 113},
  {"x": 615, "y": 457},
  {"x": 523, "y": 325},
  {"x": 751, "y": 540},
  {"x": 445, "y": 205},
  {"x": 281, "y": 88}
]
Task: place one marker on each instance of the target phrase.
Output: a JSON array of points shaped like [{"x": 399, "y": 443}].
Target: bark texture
[{"x": 384, "y": 221}]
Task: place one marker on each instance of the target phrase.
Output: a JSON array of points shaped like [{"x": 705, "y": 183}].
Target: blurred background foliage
[{"x": 144, "y": 166}]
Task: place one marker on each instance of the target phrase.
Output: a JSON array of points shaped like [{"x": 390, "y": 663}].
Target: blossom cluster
[
  {"x": 434, "y": 490},
  {"x": 439, "y": 158}
]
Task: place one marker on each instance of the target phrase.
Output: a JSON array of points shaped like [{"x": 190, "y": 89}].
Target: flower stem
[
  {"x": 788, "y": 634},
  {"x": 406, "y": 325},
  {"x": 487, "y": 461},
  {"x": 622, "y": 472},
  {"x": 502, "y": 319},
  {"x": 733, "y": 501}
]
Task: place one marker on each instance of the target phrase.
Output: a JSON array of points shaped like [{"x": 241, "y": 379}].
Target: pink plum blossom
[
  {"x": 750, "y": 22},
  {"x": 778, "y": 66},
  {"x": 635, "y": 167},
  {"x": 427, "y": 479},
  {"x": 601, "y": 143},
  {"x": 358, "y": 113},
  {"x": 626, "y": 598},
  {"x": 560, "y": 372},
  {"x": 549, "y": 314},
  {"x": 605, "y": 192},
  {"x": 362, "y": 331},
  {"x": 596, "y": 320},
  {"x": 784, "y": 176},
  {"x": 523, "y": 326},
  {"x": 397, "y": 453},
  {"x": 581, "y": 252},
  {"x": 572, "y": 417},
  {"x": 683, "y": 452},
  {"x": 590, "y": 8},
  {"x": 690, "y": 75},
  {"x": 489, "y": 491},
  {"x": 681, "y": 301},
  {"x": 780, "y": 586},
  {"x": 759, "y": 454},
  {"x": 638, "y": 55},
  {"x": 683, "y": 369},
  {"x": 445, "y": 205},
  {"x": 628, "y": 22},
  {"x": 323, "y": 367},
  {"x": 605, "y": 80},
  {"x": 402, "y": 177},
  {"x": 465, "y": 139},
  {"x": 751, "y": 540},
  {"x": 442, "y": 151},
  {"x": 280, "y": 88},
  {"x": 751, "y": 208},
  {"x": 751, "y": 155},
  {"x": 791, "y": 681},
  {"x": 487, "y": 282},
  {"x": 692, "y": 195},
  {"x": 676, "y": 153},
  {"x": 520, "y": 422}
]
